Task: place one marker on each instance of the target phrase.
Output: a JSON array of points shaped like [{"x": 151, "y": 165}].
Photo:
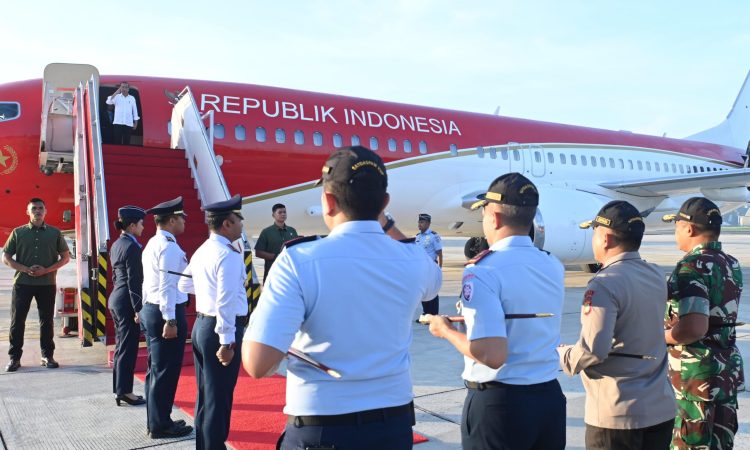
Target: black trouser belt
[
  {"x": 498, "y": 384},
  {"x": 355, "y": 418},
  {"x": 239, "y": 321}
]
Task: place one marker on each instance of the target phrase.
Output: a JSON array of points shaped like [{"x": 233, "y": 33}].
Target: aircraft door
[{"x": 538, "y": 161}]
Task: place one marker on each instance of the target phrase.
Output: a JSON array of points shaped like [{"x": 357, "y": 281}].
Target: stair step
[
  {"x": 135, "y": 150},
  {"x": 145, "y": 160}
]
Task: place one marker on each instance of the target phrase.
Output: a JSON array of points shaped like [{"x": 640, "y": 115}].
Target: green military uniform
[
  {"x": 706, "y": 373},
  {"x": 32, "y": 245},
  {"x": 271, "y": 239}
]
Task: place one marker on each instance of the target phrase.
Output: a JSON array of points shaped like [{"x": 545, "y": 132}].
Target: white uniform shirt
[
  {"x": 516, "y": 278},
  {"x": 348, "y": 301},
  {"x": 430, "y": 242},
  {"x": 218, "y": 272},
  {"x": 126, "y": 113},
  {"x": 162, "y": 253}
]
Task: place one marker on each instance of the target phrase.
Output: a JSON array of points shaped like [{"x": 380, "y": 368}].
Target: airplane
[{"x": 271, "y": 143}]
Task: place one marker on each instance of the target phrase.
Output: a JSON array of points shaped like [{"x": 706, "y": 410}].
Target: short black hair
[
  {"x": 358, "y": 201},
  {"x": 277, "y": 206},
  {"x": 163, "y": 220},
  {"x": 37, "y": 200},
  {"x": 517, "y": 216},
  {"x": 712, "y": 232},
  {"x": 216, "y": 221},
  {"x": 629, "y": 242}
]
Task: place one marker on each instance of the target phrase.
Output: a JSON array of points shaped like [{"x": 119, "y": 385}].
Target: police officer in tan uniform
[{"x": 621, "y": 353}]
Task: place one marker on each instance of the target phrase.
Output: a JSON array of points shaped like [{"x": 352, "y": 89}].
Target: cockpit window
[{"x": 9, "y": 111}]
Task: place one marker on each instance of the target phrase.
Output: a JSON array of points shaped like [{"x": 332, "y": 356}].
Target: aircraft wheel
[{"x": 591, "y": 268}]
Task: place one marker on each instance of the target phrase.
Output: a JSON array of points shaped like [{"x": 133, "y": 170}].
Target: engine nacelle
[{"x": 556, "y": 223}]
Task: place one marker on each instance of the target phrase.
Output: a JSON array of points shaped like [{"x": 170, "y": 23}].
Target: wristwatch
[
  {"x": 228, "y": 346},
  {"x": 389, "y": 222},
  {"x": 172, "y": 322}
]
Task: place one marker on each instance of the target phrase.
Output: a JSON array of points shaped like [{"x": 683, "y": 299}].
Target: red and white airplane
[{"x": 272, "y": 143}]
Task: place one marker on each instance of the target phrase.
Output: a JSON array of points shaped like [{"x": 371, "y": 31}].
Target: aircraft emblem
[{"x": 8, "y": 160}]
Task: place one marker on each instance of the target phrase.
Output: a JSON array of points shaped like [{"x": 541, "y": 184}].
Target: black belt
[
  {"x": 499, "y": 384},
  {"x": 238, "y": 320},
  {"x": 355, "y": 418}
]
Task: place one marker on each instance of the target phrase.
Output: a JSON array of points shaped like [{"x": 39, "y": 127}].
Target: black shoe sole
[{"x": 169, "y": 434}]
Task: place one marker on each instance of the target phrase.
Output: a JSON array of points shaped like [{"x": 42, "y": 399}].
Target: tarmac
[{"x": 72, "y": 407}]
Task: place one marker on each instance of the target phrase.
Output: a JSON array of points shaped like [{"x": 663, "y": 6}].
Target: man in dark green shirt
[
  {"x": 36, "y": 251},
  {"x": 272, "y": 238}
]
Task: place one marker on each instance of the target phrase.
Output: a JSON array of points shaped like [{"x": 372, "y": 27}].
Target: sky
[{"x": 651, "y": 67}]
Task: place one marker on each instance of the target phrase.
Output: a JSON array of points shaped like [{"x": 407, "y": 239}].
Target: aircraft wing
[{"x": 683, "y": 184}]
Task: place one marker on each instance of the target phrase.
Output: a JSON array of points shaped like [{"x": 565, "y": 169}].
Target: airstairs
[{"x": 107, "y": 177}]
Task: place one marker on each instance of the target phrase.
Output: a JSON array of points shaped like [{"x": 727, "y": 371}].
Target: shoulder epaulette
[
  {"x": 432, "y": 232},
  {"x": 234, "y": 249},
  {"x": 300, "y": 240},
  {"x": 408, "y": 240},
  {"x": 169, "y": 239},
  {"x": 543, "y": 250},
  {"x": 478, "y": 258}
]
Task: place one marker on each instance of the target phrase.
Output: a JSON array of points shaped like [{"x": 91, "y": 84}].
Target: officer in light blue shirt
[
  {"x": 511, "y": 298},
  {"x": 347, "y": 301},
  {"x": 432, "y": 244}
]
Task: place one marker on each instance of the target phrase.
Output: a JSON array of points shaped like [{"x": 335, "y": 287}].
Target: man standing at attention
[
  {"x": 346, "y": 300},
  {"x": 432, "y": 244},
  {"x": 126, "y": 114},
  {"x": 218, "y": 275},
  {"x": 39, "y": 250},
  {"x": 272, "y": 238},
  {"x": 514, "y": 400},
  {"x": 704, "y": 362},
  {"x": 163, "y": 316},
  {"x": 621, "y": 353}
]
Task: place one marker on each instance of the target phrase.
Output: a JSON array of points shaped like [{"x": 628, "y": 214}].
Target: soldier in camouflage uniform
[{"x": 704, "y": 362}]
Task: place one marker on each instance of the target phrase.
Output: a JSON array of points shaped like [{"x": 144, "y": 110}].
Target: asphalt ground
[{"x": 72, "y": 407}]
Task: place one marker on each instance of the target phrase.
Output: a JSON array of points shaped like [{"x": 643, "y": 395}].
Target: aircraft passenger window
[
  {"x": 373, "y": 143},
  {"x": 550, "y": 158},
  {"x": 666, "y": 167},
  {"x": 280, "y": 135},
  {"x": 656, "y": 166},
  {"x": 355, "y": 139},
  {"x": 317, "y": 138},
  {"x": 562, "y": 158},
  {"x": 640, "y": 165},
  {"x": 299, "y": 137},
  {"x": 593, "y": 161},
  {"x": 391, "y": 145},
  {"x": 648, "y": 166},
  {"x": 169, "y": 128},
  {"x": 454, "y": 150},
  {"x": 407, "y": 146},
  {"x": 423, "y": 147},
  {"x": 9, "y": 111},
  {"x": 480, "y": 152},
  {"x": 239, "y": 133},
  {"x": 260, "y": 134},
  {"x": 338, "y": 141},
  {"x": 537, "y": 157},
  {"x": 493, "y": 152},
  {"x": 573, "y": 159},
  {"x": 516, "y": 155},
  {"x": 602, "y": 162},
  {"x": 612, "y": 163},
  {"x": 622, "y": 163},
  {"x": 701, "y": 168},
  {"x": 584, "y": 161},
  {"x": 219, "y": 131},
  {"x": 695, "y": 169},
  {"x": 682, "y": 168},
  {"x": 674, "y": 167},
  {"x": 504, "y": 154},
  {"x": 630, "y": 164}
]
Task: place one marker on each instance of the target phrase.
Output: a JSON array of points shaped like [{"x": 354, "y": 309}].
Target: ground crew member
[
  {"x": 125, "y": 301},
  {"x": 273, "y": 237},
  {"x": 218, "y": 275},
  {"x": 704, "y": 362},
  {"x": 621, "y": 353},
  {"x": 346, "y": 300},
  {"x": 163, "y": 316},
  {"x": 35, "y": 251},
  {"x": 514, "y": 400},
  {"x": 432, "y": 244}
]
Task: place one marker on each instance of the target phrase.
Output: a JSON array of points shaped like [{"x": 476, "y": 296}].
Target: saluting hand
[{"x": 225, "y": 355}]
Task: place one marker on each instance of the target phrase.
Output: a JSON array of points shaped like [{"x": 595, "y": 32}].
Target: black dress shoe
[
  {"x": 13, "y": 365},
  {"x": 50, "y": 363},
  {"x": 130, "y": 401},
  {"x": 179, "y": 423},
  {"x": 172, "y": 432}
]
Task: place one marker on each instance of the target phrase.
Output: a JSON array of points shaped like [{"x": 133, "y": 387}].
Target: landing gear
[
  {"x": 474, "y": 246},
  {"x": 591, "y": 268}
]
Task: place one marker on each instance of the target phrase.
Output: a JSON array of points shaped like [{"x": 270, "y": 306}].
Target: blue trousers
[
  {"x": 164, "y": 365},
  {"x": 514, "y": 417},
  {"x": 431, "y": 306},
  {"x": 127, "y": 335},
  {"x": 394, "y": 433},
  {"x": 213, "y": 405}
]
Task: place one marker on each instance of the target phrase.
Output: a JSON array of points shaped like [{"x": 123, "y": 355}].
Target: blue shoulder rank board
[
  {"x": 478, "y": 258},
  {"x": 301, "y": 239},
  {"x": 408, "y": 240}
]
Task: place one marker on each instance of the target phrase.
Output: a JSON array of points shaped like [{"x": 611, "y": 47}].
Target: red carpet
[{"x": 257, "y": 420}]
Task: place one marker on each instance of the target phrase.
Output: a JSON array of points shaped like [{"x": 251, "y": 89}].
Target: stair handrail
[{"x": 101, "y": 217}]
